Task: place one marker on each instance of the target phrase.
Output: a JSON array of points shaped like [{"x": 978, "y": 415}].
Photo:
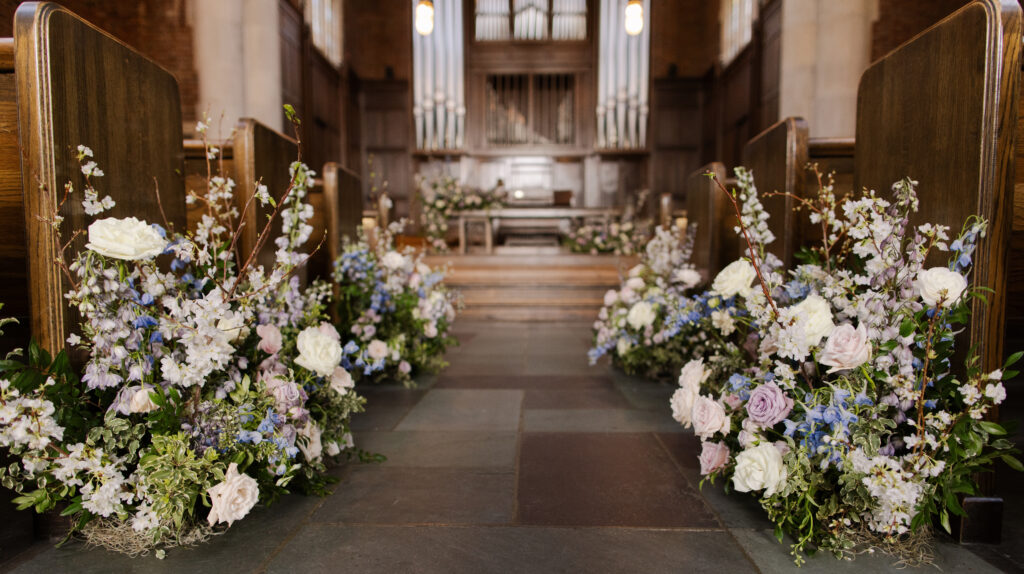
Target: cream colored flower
[
  {"x": 815, "y": 315},
  {"x": 377, "y": 349},
  {"x": 129, "y": 239},
  {"x": 708, "y": 417},
  {"x": 641, "y": 315},
  {"x": 233, "y": 498},
  {"x": 142, "y": 402},
  {"x": 759, "y": 468},
  {"x": 309, "y": 441},
  {"x": 940, "y": 286},
  {"x": 318, "y": 352},
  {"x": 735, "y": 279},
  {"x": 341, "y": 381}
]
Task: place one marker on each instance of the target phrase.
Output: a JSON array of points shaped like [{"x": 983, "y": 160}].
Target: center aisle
[{"x": 519, "y": 457}]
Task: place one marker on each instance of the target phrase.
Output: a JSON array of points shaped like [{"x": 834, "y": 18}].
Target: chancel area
[{"x": 511, "y": 285}]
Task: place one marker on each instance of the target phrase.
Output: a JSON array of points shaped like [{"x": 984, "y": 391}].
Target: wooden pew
[
  {"x": 941, "y": 109},
  {"x": 715, "y": 244},
  {"x": 123, "y": 106},
  {"x": 336, "y": 196},
  {"x": 779, "y": 158},
  {"x": 343, "y": 207},
  {"x": 64, "y": 82}
]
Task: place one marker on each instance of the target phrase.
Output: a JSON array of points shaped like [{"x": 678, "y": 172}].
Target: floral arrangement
[
  {"x": 625, "y": 238},
  {"x": 396, "y": 308},
  {"x": 444, "y": 197},
  {"x": 210, "y": 383},
  {"x": 838, "y": 402},
  {"x": 636, "y": 325}
]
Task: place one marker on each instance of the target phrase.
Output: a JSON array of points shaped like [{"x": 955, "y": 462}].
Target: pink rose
[
  {"x": 846, "y": 348},
  {"x": 768, "y": 405},
  {"x": 286, "y": 393},
  {"x": 734, "y": 401},
  {"x": 713, "y": 456},
  {"x": 270, "y": 338},
  {"x": 330, "y": 331},
  {"x": 708, "y": 417}
]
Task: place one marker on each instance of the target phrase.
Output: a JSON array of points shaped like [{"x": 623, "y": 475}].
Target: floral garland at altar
[
  {"x": 210, "y": 383},
  {"x": 443, "y": 198},
  {"x": 832, "y": 395},
  {"x": 395, "y": 306}
]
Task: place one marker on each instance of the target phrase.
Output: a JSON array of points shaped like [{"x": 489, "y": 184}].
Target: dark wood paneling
[
  {"x": 131, "y": 119},
  {"x": 715, "y": 243},
  {"x": 941, "y": 110},
  {"x": 343, "y": 203},
  {"x": 261, "y": 155},
  {"x": 777, "y": 158},
  {"x": 675, "y": 135},
  {"x": 386, "y": 135},
  {"x": 292, "y": 59}
]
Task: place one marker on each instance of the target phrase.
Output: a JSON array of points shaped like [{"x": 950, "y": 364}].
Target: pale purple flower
[{"x": 768, "y": 405}]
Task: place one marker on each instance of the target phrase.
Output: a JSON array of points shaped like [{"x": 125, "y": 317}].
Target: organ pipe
[{"x": 623, "y": 77}]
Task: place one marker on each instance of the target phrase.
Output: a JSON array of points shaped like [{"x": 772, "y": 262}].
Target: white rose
[
  {"x": 735, "y": 279},
  {"x": 318, "y": 351},
  {"x": 635, "y": 283},
  {"x": 430, "y": 330},
  {"x": 816, "y": 317},
  {"x": 129, "y": 239},
  {"x": 708, "y": 417},
  {"x": 688, "y": 277},
  {"x": 693, "y": 374},
  {"x": 141, "y": 402},
  {"x": 311, "y": 446},
  {"x": 234, "y": 327},
  {"x": 641, "y": 315},
  {"x": 377, "y": 349},
  {"x": 232, "y": 499},
  {"x": 341, "y": 381},
  {"x": 622, "y": 346},
  {"x": 393, "y": 260},
  {"x": 846, "y": 348},
  {"x": 682, "y": 405},
  {"x": 940, "y": 285},
  {"x": 610, "y": 297},
  {"x": 759, "y": 468}
]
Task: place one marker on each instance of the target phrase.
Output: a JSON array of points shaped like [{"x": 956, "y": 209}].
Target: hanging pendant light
[
  {"x": 424, "y": 17},
  {"x": 634, "y": 17}
]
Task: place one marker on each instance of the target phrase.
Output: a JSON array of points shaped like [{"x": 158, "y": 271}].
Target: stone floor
[{"x": 517, "y": 458}]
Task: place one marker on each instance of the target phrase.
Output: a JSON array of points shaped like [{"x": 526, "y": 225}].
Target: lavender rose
[
  {"x": 713, "y": 456},
  {"x": 846, "y": 348},
  {"x": 768, "y": 405}
]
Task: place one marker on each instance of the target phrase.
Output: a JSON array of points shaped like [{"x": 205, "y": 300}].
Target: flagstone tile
[
  {"x": 574, "y": 399},
  {"x": 393, "y": 495},
  {"x": 442, "y": 448},
  {"x": 459, "y": 409},
  {"x": 242, "y": 548},
  {"x": 507, "y": 550},
  {"x": 593, "y": 479},
  {"x": 650, "y": 395},
  {"x": 598, "y": 421},
  {"x": 770, "y": 556},
  {"x": 508, "y": 381},
  {"x": 385, "y": 408}
]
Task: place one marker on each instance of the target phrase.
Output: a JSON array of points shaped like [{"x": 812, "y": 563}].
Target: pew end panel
[
  {"x": 198, "y": 169},
  {"x": 343, "y": 207},
  {"x": 76, "y": 84},
  {"x": 941, "y": 109},
  {"x": 715, "y": 242},
  {"x": 261, "y": 155},
  {"x": 778, "y": 158}
]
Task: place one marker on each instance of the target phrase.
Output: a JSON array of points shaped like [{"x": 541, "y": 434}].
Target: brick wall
[
  {"x": 160, "y": 29},
  {"x": 901, "y": 20}
]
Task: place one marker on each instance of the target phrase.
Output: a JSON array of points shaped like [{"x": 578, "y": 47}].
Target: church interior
[{"x": 511, "y": 285}]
